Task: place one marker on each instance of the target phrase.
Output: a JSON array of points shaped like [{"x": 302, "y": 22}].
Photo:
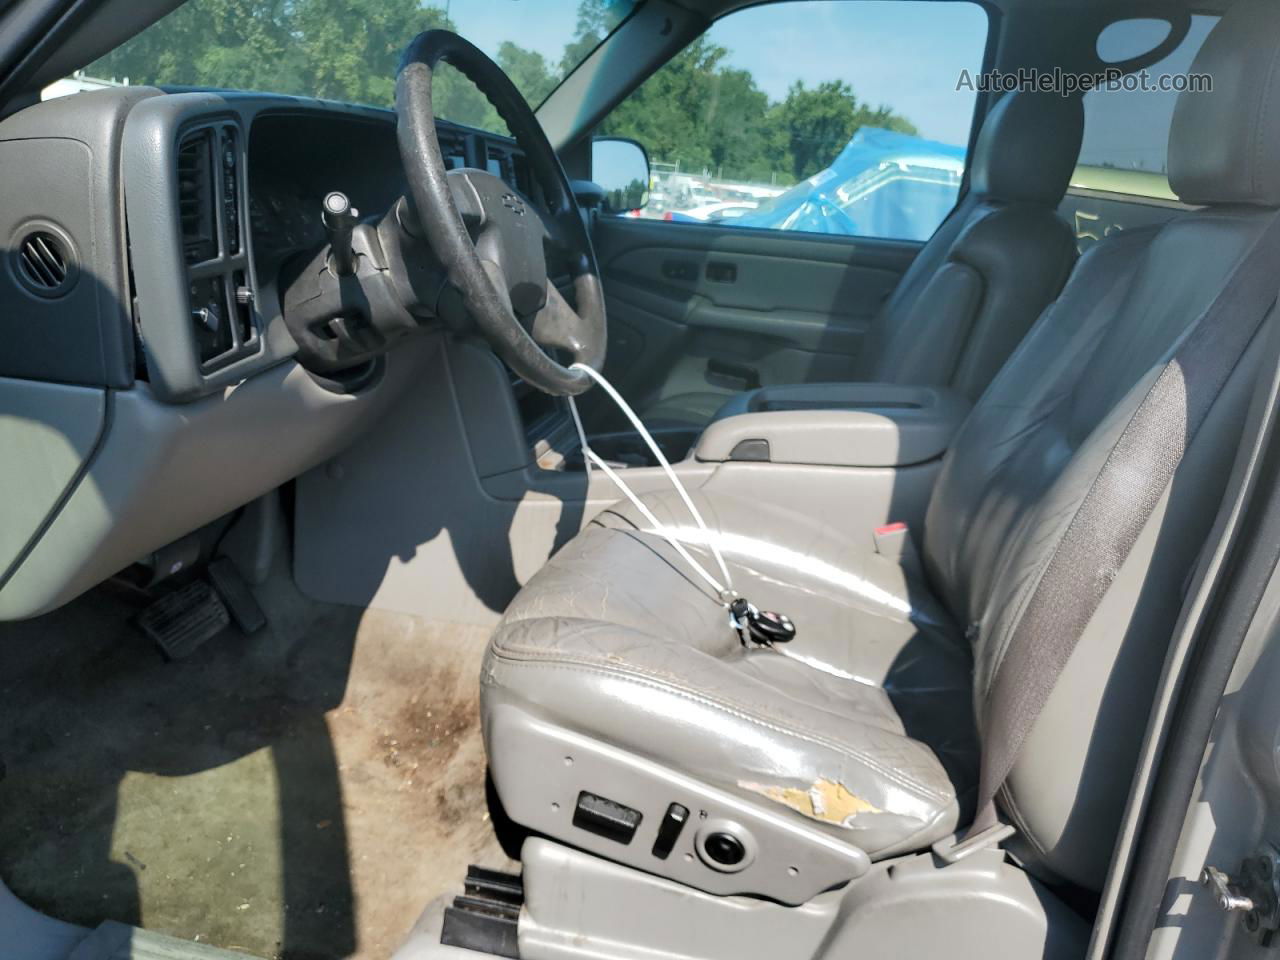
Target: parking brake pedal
[
  {"x": 487, "y": 914},
  {"x": 182, "y": 620}
]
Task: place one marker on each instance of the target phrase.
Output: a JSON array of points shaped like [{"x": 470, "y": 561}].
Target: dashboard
[
  {"x": 180, "y": 210},
  {"x": 252, "y": 173},
  {"x": 296, "y": 158},
  {"x": 149, "y": 380}
]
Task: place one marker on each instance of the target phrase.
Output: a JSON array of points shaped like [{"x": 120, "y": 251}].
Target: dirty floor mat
[{"x": 301, "y": 793}]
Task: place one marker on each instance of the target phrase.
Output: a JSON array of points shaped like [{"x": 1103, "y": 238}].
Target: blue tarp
[{"x": 883, "y": 184}]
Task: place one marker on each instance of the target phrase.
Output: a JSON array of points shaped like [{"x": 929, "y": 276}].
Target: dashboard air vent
[
  {"x": 44, "y": 263},
  {"x": 195, "y": 197}
]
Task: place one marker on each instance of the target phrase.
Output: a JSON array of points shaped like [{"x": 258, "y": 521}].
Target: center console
[
  {"x": 863, "y": 454},
  {"x": 815, "y": 424}
]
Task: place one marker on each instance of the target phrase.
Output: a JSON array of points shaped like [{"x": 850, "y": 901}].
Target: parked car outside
[{"x": 713, "y": 212}]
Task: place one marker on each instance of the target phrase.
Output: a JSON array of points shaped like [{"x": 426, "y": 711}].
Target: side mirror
[{"x": 621, "y": 167}]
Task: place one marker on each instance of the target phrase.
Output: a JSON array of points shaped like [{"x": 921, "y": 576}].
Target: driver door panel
[{"x": 696, "y": 308}]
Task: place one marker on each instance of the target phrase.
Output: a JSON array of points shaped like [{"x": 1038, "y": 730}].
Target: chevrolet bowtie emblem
[{"x": 513, "y": 203}]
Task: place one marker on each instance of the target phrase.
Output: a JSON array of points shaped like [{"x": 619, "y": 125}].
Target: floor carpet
[{"x": 301, "y": 793}]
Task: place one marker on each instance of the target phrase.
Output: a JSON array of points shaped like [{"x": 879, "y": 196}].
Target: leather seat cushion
[{"x": 863, "y": 724}]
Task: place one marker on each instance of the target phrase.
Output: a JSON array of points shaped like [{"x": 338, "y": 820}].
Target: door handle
[{"x": 722, "y": 272}]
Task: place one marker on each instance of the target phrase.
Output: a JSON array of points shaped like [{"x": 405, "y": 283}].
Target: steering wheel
[{"x": 490, "y": 238}]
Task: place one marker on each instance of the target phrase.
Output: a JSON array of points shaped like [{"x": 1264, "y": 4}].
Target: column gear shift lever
[{"x": 340, "y": 219}]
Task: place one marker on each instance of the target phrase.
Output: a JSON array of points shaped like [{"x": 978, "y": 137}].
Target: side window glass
[
  {"x": 817, "y": 115},
  {"x": 1122, "y": 179}
]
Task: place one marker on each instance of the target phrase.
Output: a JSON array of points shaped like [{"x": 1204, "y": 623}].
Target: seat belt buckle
[
  {"x": 893, "y": 542},
  {"x": 952, "y": 849}
]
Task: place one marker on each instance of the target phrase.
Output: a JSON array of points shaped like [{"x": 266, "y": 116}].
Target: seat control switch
[
  {"x": 606, "y": 818},
  {"x": 673, "y": 822}
]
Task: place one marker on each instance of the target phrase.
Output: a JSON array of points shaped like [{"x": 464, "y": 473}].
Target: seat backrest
[
  {"x": 1038, "y": 438},
  {"x": 983, "y": 278}
]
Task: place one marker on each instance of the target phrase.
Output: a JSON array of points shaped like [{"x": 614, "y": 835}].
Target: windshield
[{"x": 349, "y": 49}]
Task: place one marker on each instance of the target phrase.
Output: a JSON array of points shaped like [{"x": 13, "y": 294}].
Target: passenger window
[
  {"x": 820, "y": 116},
  {"x": 1122, "y": 179}
]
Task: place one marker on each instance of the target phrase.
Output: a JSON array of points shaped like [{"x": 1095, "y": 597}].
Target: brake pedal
[
  {"x": 486, "y": 916},
  {"x": 179, "y": 622}
]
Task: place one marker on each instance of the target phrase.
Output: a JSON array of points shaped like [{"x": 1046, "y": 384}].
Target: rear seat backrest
[{"x": 1034, "y": 444}]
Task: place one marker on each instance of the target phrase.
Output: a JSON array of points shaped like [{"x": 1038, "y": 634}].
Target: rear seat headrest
[
  {"x": 1028, "y": 147},
  {"x": 1224, "y": 145}
]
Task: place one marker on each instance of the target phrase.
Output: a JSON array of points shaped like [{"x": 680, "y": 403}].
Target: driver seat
[{"x": 619, "y": 708}]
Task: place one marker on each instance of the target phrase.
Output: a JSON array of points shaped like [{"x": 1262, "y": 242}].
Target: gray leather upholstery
[
  {"x": 979, "y": 283},
  {"x": 1223, "y": 143},
  {"x": 617, "y": 639},
  {"x": 1027, "y": 149},
  {"x": 1012, "y": 483}
]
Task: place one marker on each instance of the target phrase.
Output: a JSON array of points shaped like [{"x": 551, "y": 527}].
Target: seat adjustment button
[
  {"x": 724, "y": 849},
  {"x": 673, "y": 822},
  {"x": 606, "y": 818}
]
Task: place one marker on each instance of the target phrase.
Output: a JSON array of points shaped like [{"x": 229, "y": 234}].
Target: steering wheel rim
[{"x": 489, "y": 293}]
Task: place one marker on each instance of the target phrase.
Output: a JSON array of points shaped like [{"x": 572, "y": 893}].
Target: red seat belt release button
[{"x": 893, "y": 542}]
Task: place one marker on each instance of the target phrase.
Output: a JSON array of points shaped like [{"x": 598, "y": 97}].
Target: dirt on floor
[{"x": 300, "y": 793}]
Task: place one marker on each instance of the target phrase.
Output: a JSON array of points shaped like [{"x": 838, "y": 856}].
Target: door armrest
[{"x": 835, "y": 424}]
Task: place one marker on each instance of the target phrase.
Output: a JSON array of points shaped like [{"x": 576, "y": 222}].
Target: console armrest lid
[{"x": 848, "y": 425}]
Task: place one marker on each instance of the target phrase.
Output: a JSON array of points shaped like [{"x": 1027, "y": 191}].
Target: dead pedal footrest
[{"x": 485, "y": 917}]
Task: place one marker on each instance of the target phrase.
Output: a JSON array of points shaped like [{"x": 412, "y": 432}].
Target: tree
[
  {"x": 596, "y": 20},
  {"x": 701, "y": 114},
  {"x": 528, "y": 70},
  {"x": 735, "y": 125},
  {"x": 350, "y": 49},
  {"x": 815, "y": 124},
  {"x": 668, "y": 112},
  {"x": 240, "y": 44},
  {"x": 345, "y": 50}
]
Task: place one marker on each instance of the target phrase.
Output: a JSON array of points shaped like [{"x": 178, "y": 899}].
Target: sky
[
  {"x": 541, "y": 25},
  {"x": 906, "y": 54}
]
